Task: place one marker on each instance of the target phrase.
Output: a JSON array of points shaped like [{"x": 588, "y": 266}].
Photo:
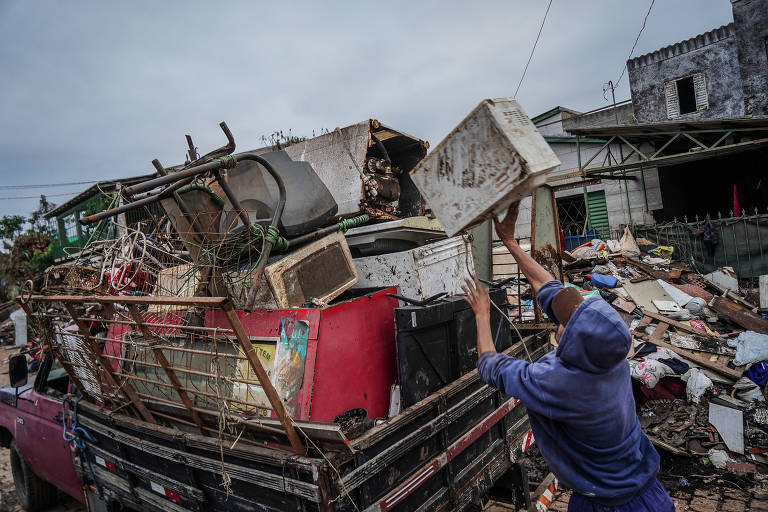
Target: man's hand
[
  {"x": 506, "y": 228},
  {"x": 478, "y": 297}
]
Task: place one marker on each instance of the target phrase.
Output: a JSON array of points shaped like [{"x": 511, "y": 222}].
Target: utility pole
[{"x": 610, "y": 85}]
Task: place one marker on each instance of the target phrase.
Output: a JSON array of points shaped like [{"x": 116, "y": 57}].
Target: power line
[
  {"x": 47, "y": 185},
  {"x": 634, "y": 45},
  {"x": 534, "y": 48},
  {"x": 71, "y": 194}
]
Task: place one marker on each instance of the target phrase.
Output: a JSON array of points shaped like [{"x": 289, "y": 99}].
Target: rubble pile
[{"x": 699, "y": 360}]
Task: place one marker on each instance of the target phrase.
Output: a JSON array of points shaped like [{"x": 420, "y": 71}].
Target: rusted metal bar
[
  {"x": 193, "y": 328},
  {"x": 160, "y": 358},
  {"x": 144, "y": 201},
  {"x": 124, "y": 386},
  {"x": 179, "y": 369},
  {"x": 190, "y": 390},
  {"x": 232, "y": 198},
  {"x": 261, "y": 374},
  {"x": 178, "y": 199}
]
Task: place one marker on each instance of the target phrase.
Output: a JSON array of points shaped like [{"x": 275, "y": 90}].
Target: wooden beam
[
  {"x": 128, "y": 299},
  {"x": 122, "y": 385},
  {"x": 674, "y": 323},
  {"x": 163, "y": 361},
  {"x": 261, "y": 374},
  {"x": 700, "y": 358}
]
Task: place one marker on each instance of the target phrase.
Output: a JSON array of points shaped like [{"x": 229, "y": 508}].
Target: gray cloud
[{"x": 93, "y": 90}]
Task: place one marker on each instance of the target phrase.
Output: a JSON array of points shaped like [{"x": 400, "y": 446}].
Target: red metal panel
[
  {"x": 266, "y": 323},
  {"x": 350, "y": 359},
  {"x": 356, "y": 360}
]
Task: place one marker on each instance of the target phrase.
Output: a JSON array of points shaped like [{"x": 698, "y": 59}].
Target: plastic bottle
[{"x": 603, "y": 281}]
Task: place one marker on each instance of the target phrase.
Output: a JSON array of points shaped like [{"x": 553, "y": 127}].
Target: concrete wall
[
  {"x": 615, "y": 193},
  {"x": 751, "y": 20},
  {"x": 714, "y": 53},
  {"x": 601, "y": 118}
]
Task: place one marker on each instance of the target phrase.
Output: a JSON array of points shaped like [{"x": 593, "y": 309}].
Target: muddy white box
[
  {"x": 421, "y": 272},
  {"x": 494, "y": 157}
]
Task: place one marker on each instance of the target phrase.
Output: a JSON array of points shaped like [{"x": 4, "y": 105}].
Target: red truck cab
[{"x": 31, "y": 427}]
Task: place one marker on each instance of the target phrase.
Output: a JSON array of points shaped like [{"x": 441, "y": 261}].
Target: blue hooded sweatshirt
[{"x": 580, "y": 403}]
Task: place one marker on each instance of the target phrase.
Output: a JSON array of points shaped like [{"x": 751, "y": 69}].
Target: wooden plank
[
  {"x": 702, "y": 358},
  {"x": 702, "y": 343},
  {"x": 123, "y": 386},
  {"x": 740, "y": 315},
  {"x": 673, "y": 323},
  {"x": 261, "y": 374},
  {"x": 128, "y": 299},
  {"x": 657, "y": 334},
  {"x": 163, "y": 361}
]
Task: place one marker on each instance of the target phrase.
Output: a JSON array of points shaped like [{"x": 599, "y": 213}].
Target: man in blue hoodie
[{"x": 579, "y": 397}]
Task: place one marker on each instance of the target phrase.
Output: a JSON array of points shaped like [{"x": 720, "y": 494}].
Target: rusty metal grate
[{"x": 195, "y": 364}]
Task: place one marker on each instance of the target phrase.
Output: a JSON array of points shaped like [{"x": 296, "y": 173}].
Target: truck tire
[{"x": 33, "y": 492}]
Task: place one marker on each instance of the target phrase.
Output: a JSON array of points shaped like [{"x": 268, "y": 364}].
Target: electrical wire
[
  {"x": 38, "y": 196},
  {"x": 624, "y": 69},
  {"x": 47, "y": 185},
  {"x": 534, "y": 48}
]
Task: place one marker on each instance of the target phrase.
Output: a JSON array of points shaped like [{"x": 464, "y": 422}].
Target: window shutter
[
  {"x": 673, "y": 102},
  {"x": 700, "y": 89},
  {"x": 598, "y": 214}
]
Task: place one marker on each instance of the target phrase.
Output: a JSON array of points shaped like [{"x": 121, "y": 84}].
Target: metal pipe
[
  {"x": 276, "y": 216},
  {"x": 343, "y": 225},
  {"x": 178, "y": 199},
  {"x": 176, "y": 176},
  {"x": 136, "y": 204},
  {"x": 232, "y": 198}
]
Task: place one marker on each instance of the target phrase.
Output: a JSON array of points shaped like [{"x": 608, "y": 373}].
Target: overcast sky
[{"x": 96, "y": 90}]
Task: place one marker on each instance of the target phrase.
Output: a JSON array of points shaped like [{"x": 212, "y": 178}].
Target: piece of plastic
[
  {"x": 628, "y": 244},
  {"x": 290, "y": 355},
  {"x": 750, "y": 347},
  {"x": 662, "y": 251},
  {"x": 697, "y": 383},
  {"x": 19, "y": 319},
  {"x": 603, "y": 281},
  {"x": 695, "y": 305},
  {"x": 758, "y": 373},
  {"x": 718, "y": 458},
  {"x": 747, "y": 390}
]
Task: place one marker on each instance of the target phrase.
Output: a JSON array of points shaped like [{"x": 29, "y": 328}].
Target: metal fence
[{"x": 742, "y": 243}]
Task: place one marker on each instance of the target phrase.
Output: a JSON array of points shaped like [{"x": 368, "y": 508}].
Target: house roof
[
  {"x": 688, "y": 45},
  {"x": 674, "y": 126},
  {"x": 553, "y": 112},
  {"x": 102, "y": 186}
]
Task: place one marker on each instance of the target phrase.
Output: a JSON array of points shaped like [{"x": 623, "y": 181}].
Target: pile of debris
[{"x": 699, "y": 360}]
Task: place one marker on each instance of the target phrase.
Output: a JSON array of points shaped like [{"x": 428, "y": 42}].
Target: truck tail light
[
  {"x": 105, "y": 463},
  {"x": 168, "y": 493}
]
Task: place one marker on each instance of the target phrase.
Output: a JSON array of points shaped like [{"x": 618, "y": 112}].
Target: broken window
[
  {"x": 53, "y": 228},
  {"x": 686, "y": 95},
  {"x": 70, "y": 228}
]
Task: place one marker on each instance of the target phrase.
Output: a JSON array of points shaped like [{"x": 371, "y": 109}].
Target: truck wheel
[{"x": 33, "y": 492}]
